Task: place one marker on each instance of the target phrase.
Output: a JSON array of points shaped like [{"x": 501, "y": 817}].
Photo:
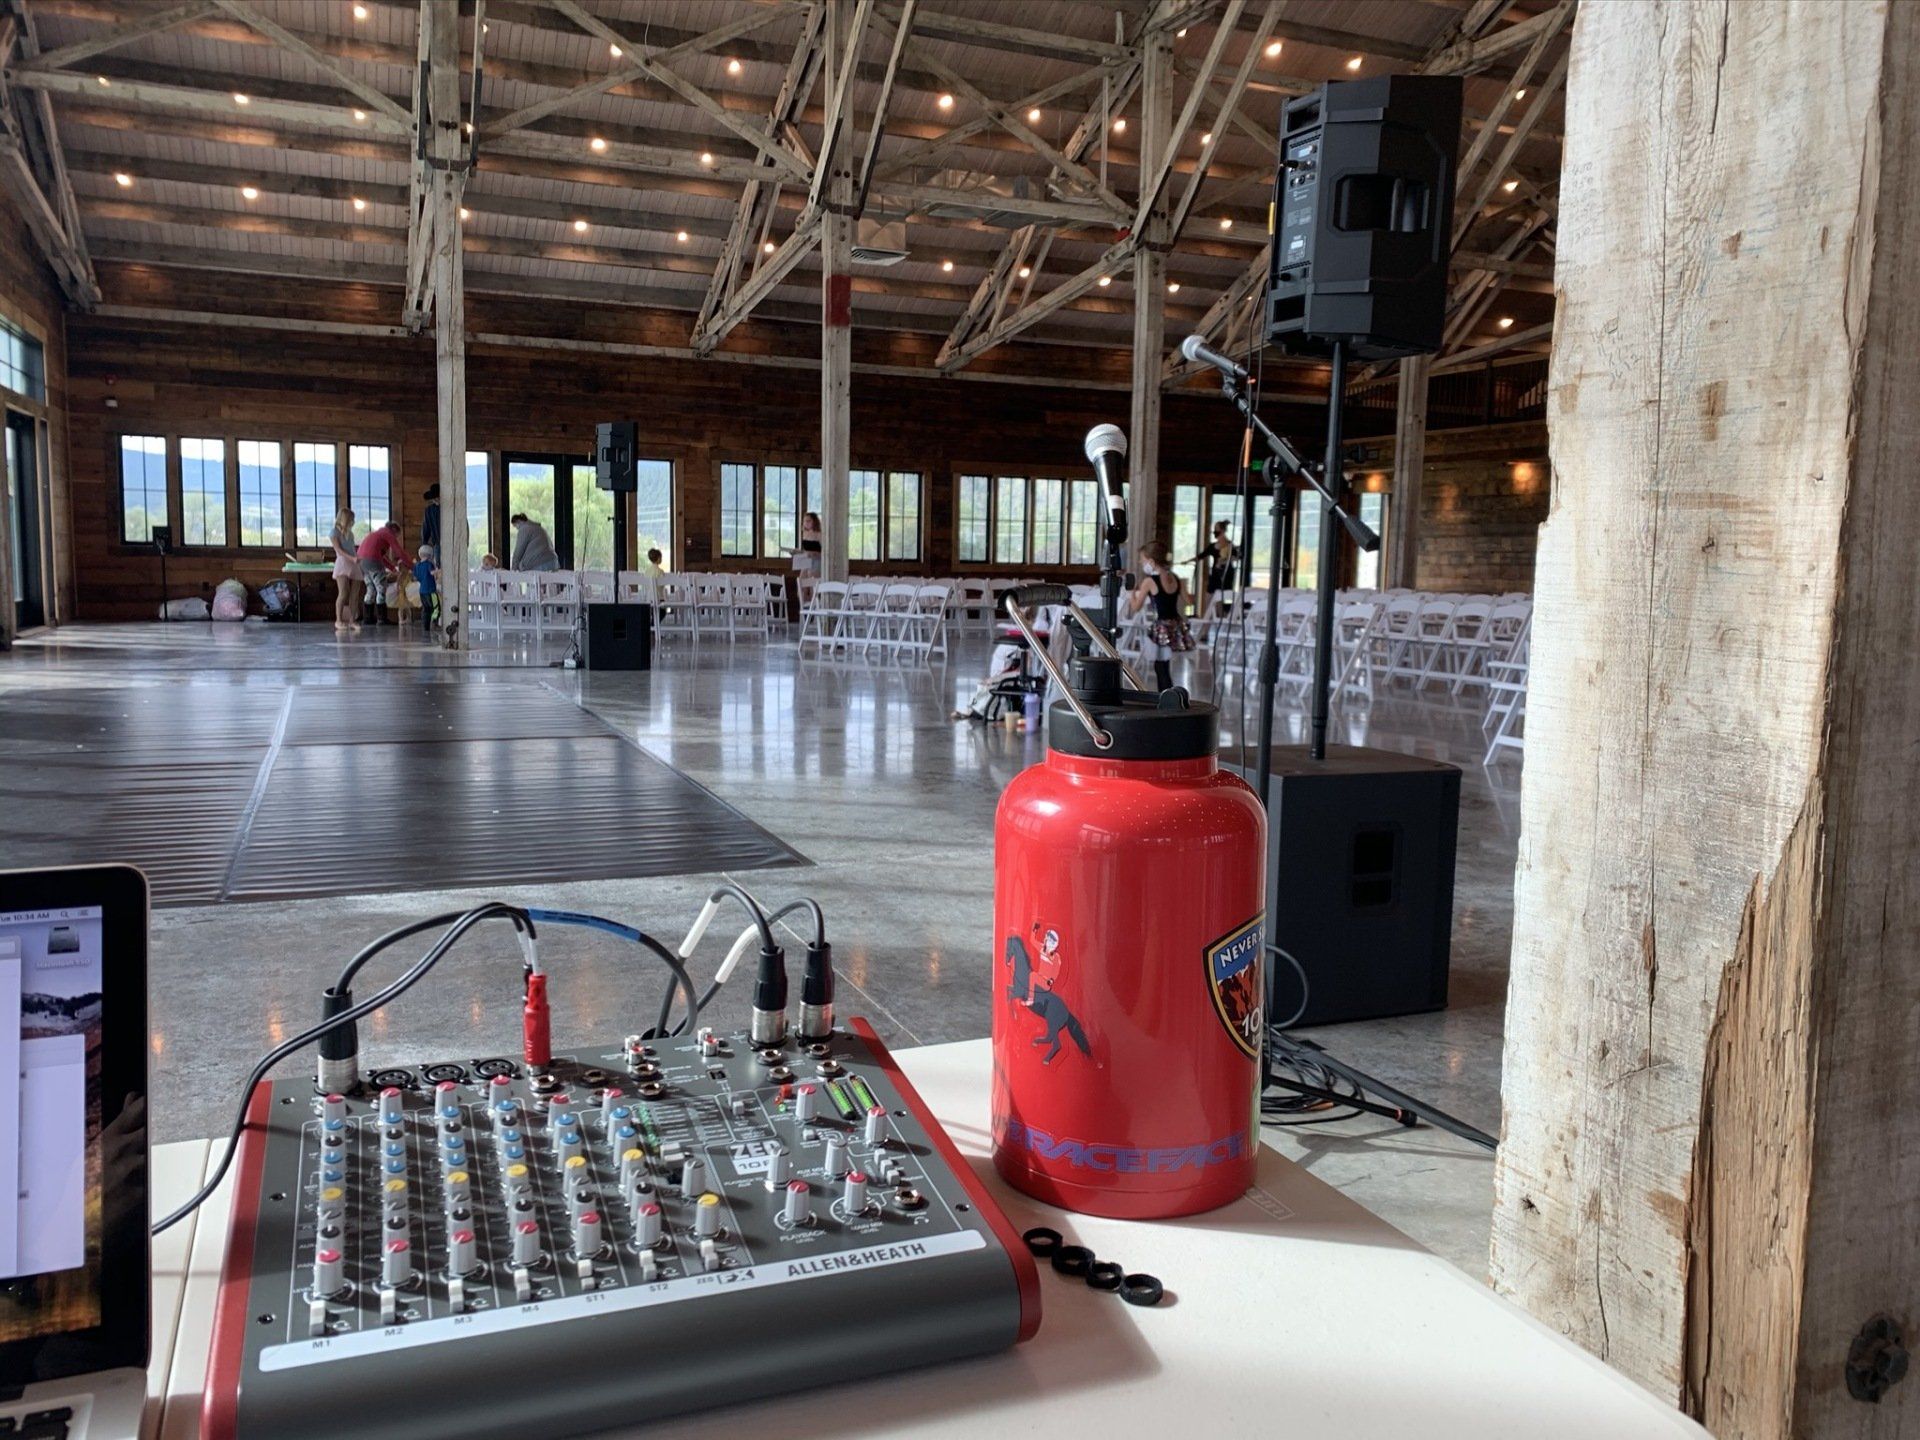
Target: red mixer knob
[
  {"x": 526, "y": 1243},
  {"x": 396, "y": 1264}
]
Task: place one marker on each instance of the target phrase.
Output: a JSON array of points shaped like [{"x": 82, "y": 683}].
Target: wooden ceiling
[{"x": 660, "y": 153}]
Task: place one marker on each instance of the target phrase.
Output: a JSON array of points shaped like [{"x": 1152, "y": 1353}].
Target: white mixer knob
[{"x": 396, "y": 1264}]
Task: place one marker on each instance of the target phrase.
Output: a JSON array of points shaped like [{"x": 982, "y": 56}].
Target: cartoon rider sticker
[{"x": 1032, "y": 986}]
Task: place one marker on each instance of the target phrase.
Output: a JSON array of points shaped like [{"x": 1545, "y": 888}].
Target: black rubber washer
[
  {"x": 1042, "y": 1241},
  {"x": 1141, "y": 1290},
  {"x": 1106, "y": 1275},
  {"x": 1073, "y": 1260}
]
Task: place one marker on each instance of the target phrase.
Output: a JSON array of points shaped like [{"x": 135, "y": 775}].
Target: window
[
  {"x": 143, "y": 486},
  {"x": 316, "y": 492},
  {"x": 863, "y": 514},
  {"x": 1366, "y": 565},
  {"x": 974, "y": 517},
  {"x": 1306, "y": 544},
  {"x": 479, "y": 509},
  {"x": 780, "y": 512},
  {"x": 203, "y": 492},
  {"x": 736, "y": 509},
  {"x": 903, "y": 515},
  {"x": 1049, "y": 522},
  {"x": 1010, "y": 520},
  {"x": 1186, "y": 520},
  {"x": 812, "y": 507},
  {"x": 369, "y": 487},
  {"x": 1086, "y": 523},
  {"x": 653, "y": 509},
  {"x": 260, "y": 507},
  {"x": 592, "y": 521},
  {"x": 23, "y": 370}
]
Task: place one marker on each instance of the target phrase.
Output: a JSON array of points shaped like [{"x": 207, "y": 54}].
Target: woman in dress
[
  {"x": 1166, "y": 593},
  {"x": 346, "y": 573}
]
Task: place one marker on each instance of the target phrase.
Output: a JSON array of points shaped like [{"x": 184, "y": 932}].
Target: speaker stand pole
[
  {"x": 619, "y": 538},
  {"x": 1334, "y": 474}
]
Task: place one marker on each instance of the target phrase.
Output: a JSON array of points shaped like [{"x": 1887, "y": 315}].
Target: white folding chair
[
  {"x": 635, "y": 587},
  {"x": 674, "y": 610},
  {"x": 519, "y": 602},
  {"x": 820, "y": 612},
  {"x": 597, "y": 587},
  {"x": 925, "y": 633},
  {"x": 559, "y": 601},
  {"x": 483, "y": 603},
  {"x": 1471, "y": 643},
  {"x": 1507, "y": 697},
  {"x": 859, "y": 615},
  {"x": 713, "y": 606},
  {"x": 750, "y": 612}
]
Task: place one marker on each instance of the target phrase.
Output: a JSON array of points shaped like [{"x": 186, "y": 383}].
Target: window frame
[
  {"x": 237, "y": 495},
  {"x": 1075, "y": 493},
  {"x": 808, "y": 482},
  {"x": 167, "y": 452}
]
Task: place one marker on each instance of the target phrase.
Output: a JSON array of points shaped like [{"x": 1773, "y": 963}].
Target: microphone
[
  {"x": 1107, "y": 453},
  {"x": 1200, "y": 353}
]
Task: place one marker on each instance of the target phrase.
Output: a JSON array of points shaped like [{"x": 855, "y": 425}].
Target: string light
[
  {"x": 1273, "y": 48},
  {"x": 1025, "y": 271},
  {"x": 103, "y": 80},
  {"x": 767, "y": 249},
  {"x": 1033, "y": 116},
  {"x": 360, "y": 115},
  {"x": 1207, "y": 138},
  {"x": 1511, "y": 186},
  {"x": 465, "y": 214},
  {"x": 596, "y": 144},
  {"x": 359, "y": 12},
  {"x": 358, "y": 203},
  {"x": 1519, "y": 94},
  {"x": 1355, "y": 62},
  {"x": 706, "y": 157},
  {"x": 945, "y": 102},
  {"x": 614, "y": 50}
]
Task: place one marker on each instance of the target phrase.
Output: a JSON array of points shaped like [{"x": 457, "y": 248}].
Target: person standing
[
  {"x": 532, "y": 546},
  {"x": 346, "y": 573},
  {"x": 806, "y": 556},
  {"x": 1220, "y": 557},
  {"x": 430, "y": 519},
  {"x": 383, "y": 560},
  {"x": 1166, "y": 592}
]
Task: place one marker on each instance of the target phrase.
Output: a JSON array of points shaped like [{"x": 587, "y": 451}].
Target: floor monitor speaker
[{"x": 619, "y": 637}]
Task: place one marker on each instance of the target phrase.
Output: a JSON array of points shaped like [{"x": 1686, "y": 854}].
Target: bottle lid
[{"x": 1170, "y": 726}]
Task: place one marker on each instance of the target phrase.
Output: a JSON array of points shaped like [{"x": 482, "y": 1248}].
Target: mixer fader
[{"x": 471, "y": 1248}]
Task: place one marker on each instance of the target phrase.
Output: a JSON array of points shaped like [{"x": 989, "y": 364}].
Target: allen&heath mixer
[{"x": 480, "y": 1248}]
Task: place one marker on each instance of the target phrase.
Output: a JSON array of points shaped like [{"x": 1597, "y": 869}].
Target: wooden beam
[
  {"x": 1708, "y": 1153},
  {"x": 686, "y": 89},
  {"x": 1229, "y": 106},
  {"x": 758, "y": 286},
  {"x": 1176, "y": 368},
  {"x": 152, "y": 23},
  {"x": 421, "y": 210},
  {"x": 877, "y": 130},
  {"x": 1165, "y": 146},
  {"x": 1466, "y": 214},
  {"x": 1475, "y": 354},
  {"x": 1151, "y": 234},
  {"x": 446, "y": 182},
  {"x": 834, "y": 172},
  {"x": 37, "y": 172},
  {"x": 1470, "y": 56},
  {"x": 1115, "y": 260},
  {"x": 1040, "y": 44},
  {"x": 177, "y": 100},
  {"x": 287, "y": 40},
  {"x": 839, "y": 117}
]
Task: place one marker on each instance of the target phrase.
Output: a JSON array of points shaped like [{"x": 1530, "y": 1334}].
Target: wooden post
[
  {"x": 1409, "y": 461},
  {"x": 836, "y": 327},
  {"x": 1149, "y": 295},
  {"x": 446, "y": 184},
  {"x": 1711, "y": 1145}
]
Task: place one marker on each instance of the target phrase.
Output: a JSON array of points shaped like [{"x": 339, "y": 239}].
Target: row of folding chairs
[
  {"x": 540, "y": 604},
  {"x": 700, "y": 606},
  {"x": 900, "y": 619}
]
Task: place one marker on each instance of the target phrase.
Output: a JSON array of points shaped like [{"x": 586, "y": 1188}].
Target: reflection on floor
[{"x": 857, "y": 767}]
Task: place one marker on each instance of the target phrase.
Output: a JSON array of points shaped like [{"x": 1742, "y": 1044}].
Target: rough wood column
[
  {"x": 1709, "y": 1164},
  {"x": 1149, "y": 297},
  {"x": 1409, "y": 463},
  {"x": 836, "y": 327},
  {"x": 446, "y": 186}
]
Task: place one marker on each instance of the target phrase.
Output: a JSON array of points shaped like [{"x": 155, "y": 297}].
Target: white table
[{"x": 1293, "y": 1312}]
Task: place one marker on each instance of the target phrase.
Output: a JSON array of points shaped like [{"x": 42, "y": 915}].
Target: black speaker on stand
[{"x": 617, "y": 636}]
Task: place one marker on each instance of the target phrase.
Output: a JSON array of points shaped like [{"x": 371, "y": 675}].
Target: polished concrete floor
[{"x": 854, "y": 765}]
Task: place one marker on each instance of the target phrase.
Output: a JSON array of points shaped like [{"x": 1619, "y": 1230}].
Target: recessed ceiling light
[
  {"x": 358, "y": 203},
  {"x": 681, "y": 237},
  {"x": 1273, "y": 48},
  {"x": 359, "y": 12},
  {"x": 1173, "y": 287},
  {"x": 1511, "y": 186},
  {"x": 580, "y": 227},
  {"x": 945, "y": 102},
  {"x": 1505, "y": 322},
  {"x": 767, "y": 248},
  {"x": 733, "y": 67},
  {"x": 947, "y": 265},
  {"x": 360, "y": 115},
  {"x": 465, "y": 214},
  {"x": 614, "y": 50},
  {"x": 1120, "y": 125},
  {"x": 1520, "y": 94},
  {"x": 122, "y": 179},
  {"x": 1033, "y": 116},
  {"x": 1207, "y": 138},
  {"x": 1025, "y": 271},
  {"x": 240, "y": 99},
  {"x": 1179, "y": 34},
  {"x": 1226, "y": 222},
  {"x": 103, "y": 80},
  {"x": 1356, "y": 62},
  {"x": 1105, "y": 280},
  {"x": 596, "y": 144},
  {"x": 248, "y": 192},
  {"x": 706, "y": 157}
]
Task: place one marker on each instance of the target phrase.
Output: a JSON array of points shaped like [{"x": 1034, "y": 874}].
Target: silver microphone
[
  {"x": 1107, "y": 453},
  {"x": 1198, "y": 352}
]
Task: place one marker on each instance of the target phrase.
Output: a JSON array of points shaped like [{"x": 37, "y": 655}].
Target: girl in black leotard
[{"x": 1167, "y": 594}]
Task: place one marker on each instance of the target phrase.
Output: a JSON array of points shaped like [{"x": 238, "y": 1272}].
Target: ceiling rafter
[
  {"x": 33, "y": 169},
  {"x": 288, "y": 41}
]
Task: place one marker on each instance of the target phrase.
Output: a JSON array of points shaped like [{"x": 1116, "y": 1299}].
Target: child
[
  {"x": 426, "y": 575},
  {"x": 489, "y": 561}
]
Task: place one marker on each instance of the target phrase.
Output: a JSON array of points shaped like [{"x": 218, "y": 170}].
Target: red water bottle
[{"x": 1129, "y": 913}]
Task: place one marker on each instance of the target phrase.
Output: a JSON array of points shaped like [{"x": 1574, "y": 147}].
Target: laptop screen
[{"x": 50, "y": 1121}]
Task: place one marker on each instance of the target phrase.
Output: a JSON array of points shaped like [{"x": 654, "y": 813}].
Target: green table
[{"x": 297, "y": 568}]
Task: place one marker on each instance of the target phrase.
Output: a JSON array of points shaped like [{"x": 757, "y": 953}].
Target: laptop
[{"x": 75, "y": 1268}]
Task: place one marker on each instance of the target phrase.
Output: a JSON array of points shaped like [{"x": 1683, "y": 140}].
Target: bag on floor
[
  {"x": 276, "y": 596},
  {"x": 192, "y": 608},
  {"x": 230, "y": 600}
]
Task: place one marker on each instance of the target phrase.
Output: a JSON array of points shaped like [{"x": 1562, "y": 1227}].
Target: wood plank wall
[
  {"x": 1484, "y": 493},
  {"x": 30, "y": 299}
]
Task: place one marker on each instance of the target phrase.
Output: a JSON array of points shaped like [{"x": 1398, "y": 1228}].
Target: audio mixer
[{"x": 475, "y": 1248}]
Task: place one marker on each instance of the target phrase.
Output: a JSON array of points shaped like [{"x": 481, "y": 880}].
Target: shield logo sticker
[{"x": 1235, "y": 978}]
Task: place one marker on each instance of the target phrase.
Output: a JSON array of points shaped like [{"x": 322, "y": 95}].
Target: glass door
[
  {"x": 557, "y": 492},
  {"x": 22, "y": 486}
]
